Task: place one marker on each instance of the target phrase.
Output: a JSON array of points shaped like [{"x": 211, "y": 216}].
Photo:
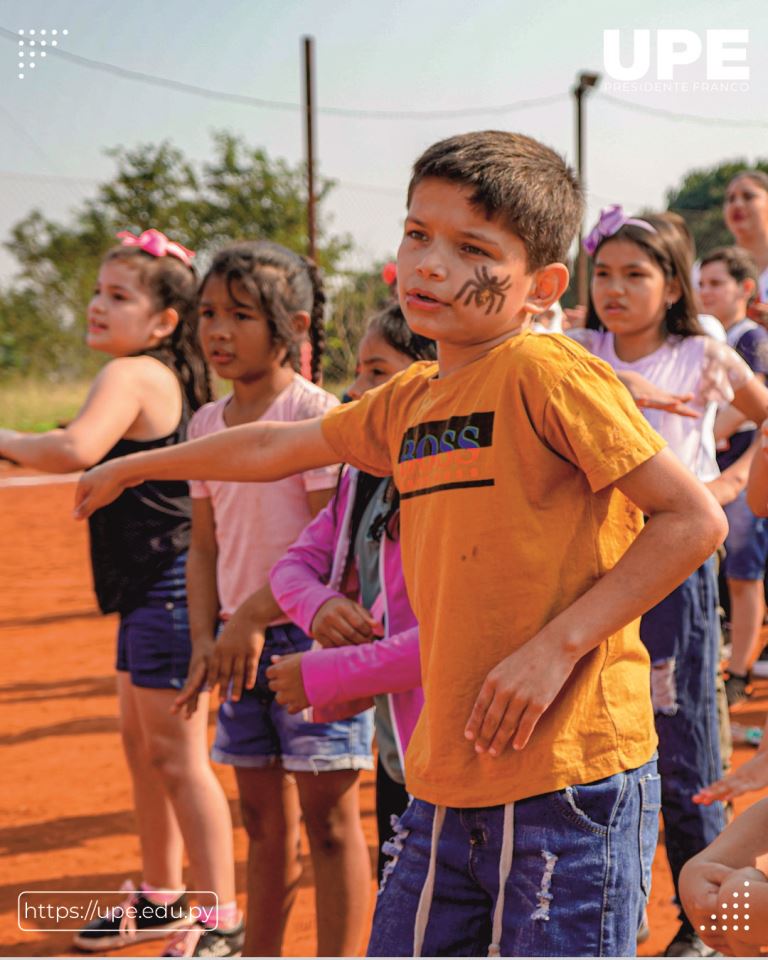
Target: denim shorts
[
  {"x": 153, "y": 643},
  {"x": 256, "y": 731},
  {"x": 565, "y": 873},
  {"x": 746, "y": 546}
]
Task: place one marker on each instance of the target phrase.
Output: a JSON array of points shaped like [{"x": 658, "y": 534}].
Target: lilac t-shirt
[
  {"x": 257, "y": 522},
  {"x": 701, "y": 366}
]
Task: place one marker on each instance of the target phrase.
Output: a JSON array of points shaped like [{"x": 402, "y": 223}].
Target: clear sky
[{"x": 403, "y": 55}]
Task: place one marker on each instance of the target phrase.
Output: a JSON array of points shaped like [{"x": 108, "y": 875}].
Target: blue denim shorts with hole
[
  {"x": 579, "y": 879},
  {"x": 256, "y": 731},
  {"x": 153, "y": 642}
]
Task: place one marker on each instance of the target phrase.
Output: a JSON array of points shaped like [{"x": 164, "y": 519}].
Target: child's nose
[{"x": 358, "y": 388}]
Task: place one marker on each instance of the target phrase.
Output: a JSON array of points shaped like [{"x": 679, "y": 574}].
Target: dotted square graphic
[
  {"x": 34, "y": 44},
  {"x": 735, "y": 917}
]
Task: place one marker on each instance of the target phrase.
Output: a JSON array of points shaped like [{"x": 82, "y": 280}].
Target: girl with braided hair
[{"x": 260, "y": 305}]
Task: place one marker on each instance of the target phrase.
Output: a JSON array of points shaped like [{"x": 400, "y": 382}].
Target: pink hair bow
[
  {"x": 156, "y": 243},
  {"x": 611, "y": 220}
]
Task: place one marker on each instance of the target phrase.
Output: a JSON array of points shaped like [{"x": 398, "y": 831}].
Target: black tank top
[{"x": 138, "y": 536}]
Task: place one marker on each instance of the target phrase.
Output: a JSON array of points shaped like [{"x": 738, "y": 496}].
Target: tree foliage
[
  {"x": 240, "y": 193},
  {"x": 699, "y": 199}
]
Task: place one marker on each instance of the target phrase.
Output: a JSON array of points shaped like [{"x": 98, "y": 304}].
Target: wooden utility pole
[
  {"x": 586, "y": 81},
  {"x": 309, "y": 124}
]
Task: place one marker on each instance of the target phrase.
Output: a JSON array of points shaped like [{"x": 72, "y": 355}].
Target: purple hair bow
[
  {"x": 611, "y": 220},
  {"x": 156, "y": 243}
]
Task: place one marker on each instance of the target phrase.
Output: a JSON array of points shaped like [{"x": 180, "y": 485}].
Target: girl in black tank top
[{"x": 144, "y": 315}]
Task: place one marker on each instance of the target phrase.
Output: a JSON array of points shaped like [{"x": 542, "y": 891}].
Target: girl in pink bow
[{"x": 143, "y": 316}]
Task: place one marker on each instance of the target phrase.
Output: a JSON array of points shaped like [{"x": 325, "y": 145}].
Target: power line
[
  {"x": 671, "y": 115},
  {"x": 244, "y": 100}
]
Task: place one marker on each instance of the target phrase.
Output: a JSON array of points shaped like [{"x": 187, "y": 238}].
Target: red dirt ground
[{"x": 66, "y": 820}]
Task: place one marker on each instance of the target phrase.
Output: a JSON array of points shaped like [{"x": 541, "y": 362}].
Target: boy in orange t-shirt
[{"x": 524, "y": 469}]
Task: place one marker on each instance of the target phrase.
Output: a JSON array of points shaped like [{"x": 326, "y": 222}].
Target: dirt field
[{"x": 66, "y": 820}]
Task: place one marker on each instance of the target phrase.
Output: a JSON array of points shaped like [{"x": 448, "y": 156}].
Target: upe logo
[{"x": 722, "y": 50}]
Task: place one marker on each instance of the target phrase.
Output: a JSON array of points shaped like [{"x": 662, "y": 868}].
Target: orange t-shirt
[{"x": 508, "y": 514}]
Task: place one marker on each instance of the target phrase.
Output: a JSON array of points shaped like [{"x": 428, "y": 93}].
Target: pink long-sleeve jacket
[{"x": 340, "y": 681}]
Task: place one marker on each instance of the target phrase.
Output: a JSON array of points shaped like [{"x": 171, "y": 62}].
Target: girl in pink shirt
[{"x": 258, "y": 302}]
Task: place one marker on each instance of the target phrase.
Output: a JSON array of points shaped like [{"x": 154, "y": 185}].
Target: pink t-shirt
[{"x": 257, "y": 522}]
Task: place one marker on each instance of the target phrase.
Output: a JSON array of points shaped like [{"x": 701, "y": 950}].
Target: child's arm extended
[
  {"x": 733, "y": 479},
  {"x": 321, "y": 677},
  {"x": 111, "y": 407},
  {"x": 757, "y": 487},
  {"x": 203, "y": 602},
  {"x": 685, "y": 526},
  {"x": 752, "y": 775},
  {"x": 261, "y": 451}
]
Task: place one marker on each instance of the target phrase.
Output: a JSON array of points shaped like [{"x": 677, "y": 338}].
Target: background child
[
  {"x": 727, "y": 282},
  {"x": 258, "y": 301},
  {"x": 746, "y": 215},
  {"x": 143, "y": 315},
  {"x": 352, "y": 549},
  {"x": 642, "y": 319}
]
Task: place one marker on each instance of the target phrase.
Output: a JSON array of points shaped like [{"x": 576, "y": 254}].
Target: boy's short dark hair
[
  {"x": 736, "y": 261},
  {"x": 514, "y": 179}
]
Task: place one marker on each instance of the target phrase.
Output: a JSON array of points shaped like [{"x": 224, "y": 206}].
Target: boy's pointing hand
[{"x": 515, "y": 695}]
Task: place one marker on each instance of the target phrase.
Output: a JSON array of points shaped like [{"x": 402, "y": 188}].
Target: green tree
[
  {"x": 699, "y": 199},
  {"x": 240, "y": 193}
]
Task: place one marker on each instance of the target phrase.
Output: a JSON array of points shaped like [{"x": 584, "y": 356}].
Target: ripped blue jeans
[
  {"x": 561, "y": 874},
  {"x": 682, "y": 636}
]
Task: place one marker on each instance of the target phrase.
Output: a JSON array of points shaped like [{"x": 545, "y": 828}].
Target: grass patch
[{"x": 39, "y": 405}]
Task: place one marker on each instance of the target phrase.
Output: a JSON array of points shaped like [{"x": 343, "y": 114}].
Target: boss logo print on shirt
[{"x": 444, "y": 455}]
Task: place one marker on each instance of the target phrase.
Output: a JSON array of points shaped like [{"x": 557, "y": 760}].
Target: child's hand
[
  {"x": 196, "y": 679},
  {"x": 514, "y": 696},
  {"x": 753, "y": 775},
  {"x": 700, "y": 892},
  {"x": 574, "y": 318},
  {"x": 286, "y": 683},
  {"x": 98, "y": 487},
  {"x": 739, "y": 943},
  {"x": 647, "y": 394},
  {"x": 341, "y": 622},
  {"x": 236, "y": 656}
]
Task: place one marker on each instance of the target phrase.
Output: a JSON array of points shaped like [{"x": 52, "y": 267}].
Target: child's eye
[
  {"x": 470, "y": 248},
  {"x": 239, "y": 315},
  {"x": 416, "y": 234}
]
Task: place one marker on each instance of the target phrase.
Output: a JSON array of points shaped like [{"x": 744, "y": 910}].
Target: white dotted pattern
[
  {"x": 31, "y": 53},
  {"x": 734, "y": 916}
]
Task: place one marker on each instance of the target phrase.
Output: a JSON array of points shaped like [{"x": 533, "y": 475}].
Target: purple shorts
[
  {"x": 153, "y": 642},
  {"x": 257, "y": 732}
]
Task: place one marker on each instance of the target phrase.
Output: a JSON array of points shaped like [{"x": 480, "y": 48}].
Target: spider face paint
[{"x": 484, "y": 289}]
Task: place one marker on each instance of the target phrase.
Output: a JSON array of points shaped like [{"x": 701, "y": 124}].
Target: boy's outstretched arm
[
  {"x": 685, "y": 526},
  {"x": 260, "y": 451}
]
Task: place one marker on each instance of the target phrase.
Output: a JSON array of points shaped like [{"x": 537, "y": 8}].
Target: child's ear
[
  {"x": 548, "y": 285},
  {"x": 674, "y": 291},
  {"x": 301, "y": 321},
  {"x": 167, "y": 321},
  {"x": 749, "y": 288}
]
